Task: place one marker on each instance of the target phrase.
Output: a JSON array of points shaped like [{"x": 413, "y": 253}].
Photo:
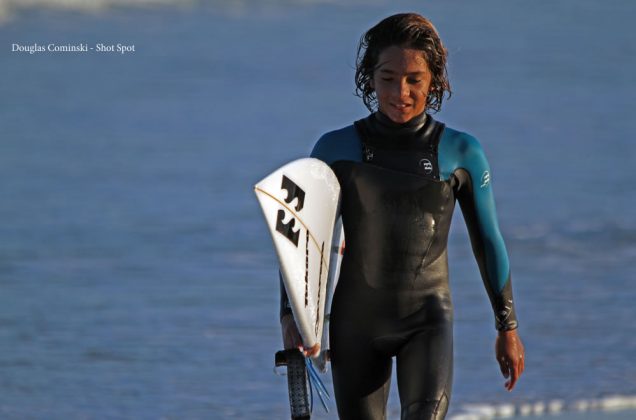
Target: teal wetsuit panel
[
  {"x": 459, "y": 150},
  {"x": 343, "y": 144}
]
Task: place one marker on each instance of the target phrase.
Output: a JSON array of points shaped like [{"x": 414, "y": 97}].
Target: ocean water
[{"x": 137, "y": 279}]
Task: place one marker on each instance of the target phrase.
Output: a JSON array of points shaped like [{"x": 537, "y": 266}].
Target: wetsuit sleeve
[{"x": 476, "y": 199}]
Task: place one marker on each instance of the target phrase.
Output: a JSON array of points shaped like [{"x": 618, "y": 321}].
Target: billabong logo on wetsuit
[
  {"x": 485, "y": 179},
  {"x": 427, "y": 165},
  {"x": 293, "y": 192}
]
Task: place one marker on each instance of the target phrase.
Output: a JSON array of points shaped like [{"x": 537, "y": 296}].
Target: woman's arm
[
  {"x": 474, "y": 193},
  {"x": 473, "y": 190}
]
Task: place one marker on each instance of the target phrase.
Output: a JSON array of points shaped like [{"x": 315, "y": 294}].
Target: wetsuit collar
[{"x": 410, "y": 126}]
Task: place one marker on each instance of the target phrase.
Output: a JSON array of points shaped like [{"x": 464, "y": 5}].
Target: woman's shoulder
[
  {"x": 458, "y": 149},
  {"x": 460, "y": 141},
  {"x": 341, "y": 144}
]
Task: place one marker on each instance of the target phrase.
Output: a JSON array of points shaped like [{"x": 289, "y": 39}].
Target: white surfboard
[
  {"x": 300, "y": 202},
  {"x": 337, "y": 251}
]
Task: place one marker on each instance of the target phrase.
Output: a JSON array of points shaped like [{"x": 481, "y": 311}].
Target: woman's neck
[{"x": 413, "y": 124}]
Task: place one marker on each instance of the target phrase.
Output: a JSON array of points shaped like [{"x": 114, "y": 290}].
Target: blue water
[{"x": 137, "y": 279}]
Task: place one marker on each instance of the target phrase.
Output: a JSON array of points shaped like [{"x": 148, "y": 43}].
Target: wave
[
  {"x": 613, "y": 403},
  {"x": 9, "y": 8}
]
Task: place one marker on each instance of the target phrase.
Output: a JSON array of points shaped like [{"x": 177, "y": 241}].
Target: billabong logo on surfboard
[{"x": 293, "y": 192}]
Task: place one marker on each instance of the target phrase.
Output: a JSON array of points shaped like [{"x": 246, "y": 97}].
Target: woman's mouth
[{"x": 401, "y": 107}]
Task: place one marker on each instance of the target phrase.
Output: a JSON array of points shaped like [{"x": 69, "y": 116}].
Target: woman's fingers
[
  {"x": 292, "y": 338},
  {"x": 515, "y": 368},
  {"x": 510, "y": 355},
  {"x": 514, "y": 375},
  {"x": 503, "y": 366},
  {"x": 313, "y": 351}
]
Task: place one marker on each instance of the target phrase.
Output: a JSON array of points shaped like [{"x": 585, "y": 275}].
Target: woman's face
[{"x": 401, "y": 81}]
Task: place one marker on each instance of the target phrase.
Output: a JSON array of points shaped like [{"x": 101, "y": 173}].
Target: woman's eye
[
  {"x": 386, "y": 79},
  {"x": 415, "y": 81}
]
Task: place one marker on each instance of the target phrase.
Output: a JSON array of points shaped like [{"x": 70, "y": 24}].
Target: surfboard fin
[{"x": 316, "y": 382}]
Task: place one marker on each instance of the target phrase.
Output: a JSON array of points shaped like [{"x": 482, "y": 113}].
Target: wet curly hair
[{"x": 405, "y": 30}]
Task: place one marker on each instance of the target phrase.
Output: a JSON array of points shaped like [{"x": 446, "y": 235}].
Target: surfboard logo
[
  {"x": 293, "y": 192},
  {"x": 287, "y": 229}
]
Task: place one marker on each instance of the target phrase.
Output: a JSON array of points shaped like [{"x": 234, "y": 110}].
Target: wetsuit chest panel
[
  {"x": 411, "y": 149},
  {"x": 422, "y": 163},
  {"x": 396, "y": 225}
]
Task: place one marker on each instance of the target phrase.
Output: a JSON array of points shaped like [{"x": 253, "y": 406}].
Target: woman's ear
[{"x": 372, "y": 84}]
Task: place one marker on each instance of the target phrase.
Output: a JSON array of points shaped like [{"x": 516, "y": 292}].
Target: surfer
[{"x": 400, "y": 173}]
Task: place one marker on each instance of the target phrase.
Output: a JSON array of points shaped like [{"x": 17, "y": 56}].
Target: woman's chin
[{"x": 400, "y": 117}]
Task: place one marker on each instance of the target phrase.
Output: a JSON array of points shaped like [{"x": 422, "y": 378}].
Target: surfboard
[
  {"x": 337, "y": 251},
  {"x": 300, "y": 202}
]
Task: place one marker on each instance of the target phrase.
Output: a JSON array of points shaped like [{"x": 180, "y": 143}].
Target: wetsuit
[{"x": 399, "y": 185}]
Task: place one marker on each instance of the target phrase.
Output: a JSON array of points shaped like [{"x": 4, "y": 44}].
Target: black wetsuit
[{"x": 399, "y": 184}]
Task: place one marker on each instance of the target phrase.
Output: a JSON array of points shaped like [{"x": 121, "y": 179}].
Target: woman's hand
[
  {"x": 292, "y": 339},
  {"x": 510, "y": 355}
]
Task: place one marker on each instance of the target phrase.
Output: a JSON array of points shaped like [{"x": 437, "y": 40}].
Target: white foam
[
  {"x": 505, "y": 410},
  {"x": 555, "y": 406},
  {"x": 8, "y": 8},
  {"x": 481, "y": 410},
  {"x": 537, "y": 408},
  {"x": 618, "y": 403},
  {"x": 525, "y": 409}
]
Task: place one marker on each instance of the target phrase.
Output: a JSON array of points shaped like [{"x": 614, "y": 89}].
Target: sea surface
[{"x": 137, "y": 278}]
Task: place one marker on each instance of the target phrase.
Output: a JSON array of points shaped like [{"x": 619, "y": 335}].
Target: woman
[{"x": 400, "y": 172}]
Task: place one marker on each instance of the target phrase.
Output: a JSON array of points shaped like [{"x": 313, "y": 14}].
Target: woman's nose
[{"x": 403, "y": 89}]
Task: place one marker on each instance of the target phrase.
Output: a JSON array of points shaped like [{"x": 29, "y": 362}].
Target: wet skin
[{"x": 401, "y": 81}]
